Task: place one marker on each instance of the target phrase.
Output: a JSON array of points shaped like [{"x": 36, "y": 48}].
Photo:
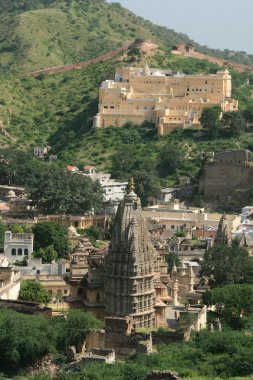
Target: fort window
[
  {"x": 13, "y": 252},
  {"x": 112, "y": 107},
  {"x": 105, "y": 107},
  {"x": 20, "y": 252},
  {"x": 26, "y": 252}
]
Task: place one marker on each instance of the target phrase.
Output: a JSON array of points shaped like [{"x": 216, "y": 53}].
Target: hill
[
  {"x": 43, "y": 33},
  {"x": 39, "y": 34},
  {"x": 58, "y": 109}
]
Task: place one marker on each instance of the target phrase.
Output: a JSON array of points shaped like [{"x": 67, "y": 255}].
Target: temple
[
  {"x": 166, "y": 98},
  {"x": 130, "y": 266}
]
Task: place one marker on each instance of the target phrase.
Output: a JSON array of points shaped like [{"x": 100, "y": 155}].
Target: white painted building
[
  {"x": 114, "y": 190},
  {"x": 17, "y": 246}
]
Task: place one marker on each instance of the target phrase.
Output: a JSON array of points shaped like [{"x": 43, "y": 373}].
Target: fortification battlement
[{"x": 241, "y": 157}]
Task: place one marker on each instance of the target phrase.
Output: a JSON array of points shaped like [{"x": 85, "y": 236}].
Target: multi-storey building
[{"x": 168, "y": 99}]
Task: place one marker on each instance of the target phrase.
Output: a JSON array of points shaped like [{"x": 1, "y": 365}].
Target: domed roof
[{"x": 11, "y": 193}]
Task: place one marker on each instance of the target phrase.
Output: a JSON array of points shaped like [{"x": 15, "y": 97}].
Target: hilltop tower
[{"x": 129, "y": 266}]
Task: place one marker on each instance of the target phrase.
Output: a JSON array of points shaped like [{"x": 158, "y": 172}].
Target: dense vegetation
[
  {"x": 25, "y": 338},
  {"x": 208, "y": 356},
  {"x": 34, "y": 292}
]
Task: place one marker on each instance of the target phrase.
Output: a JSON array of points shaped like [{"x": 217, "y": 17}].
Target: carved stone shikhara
[{"x": 129, "y": 266}]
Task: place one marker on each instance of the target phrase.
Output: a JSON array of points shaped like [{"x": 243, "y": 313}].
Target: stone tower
[{"x": 129, "y": 266}]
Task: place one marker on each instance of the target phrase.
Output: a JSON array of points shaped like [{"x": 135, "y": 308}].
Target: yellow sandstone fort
[{"x": 166, "y": 98}]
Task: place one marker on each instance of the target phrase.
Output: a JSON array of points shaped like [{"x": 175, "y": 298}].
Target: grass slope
[
  {"x": 43, "y": 33},
  {"x": 65, "y": 32}
]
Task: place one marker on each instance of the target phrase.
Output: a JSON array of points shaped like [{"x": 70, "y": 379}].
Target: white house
[{"x": 17, "y": 246}]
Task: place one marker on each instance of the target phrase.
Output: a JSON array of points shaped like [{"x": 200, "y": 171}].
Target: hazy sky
[{"x": 215, "y": 23}]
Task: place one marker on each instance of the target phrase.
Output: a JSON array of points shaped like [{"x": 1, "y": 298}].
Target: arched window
[
  {"x": 13, "y": 252},
  {"x": 20, "y": 252},
  {"x": 26, "y": 252}
]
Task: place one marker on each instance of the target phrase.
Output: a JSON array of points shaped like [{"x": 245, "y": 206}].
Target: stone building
[
  {"x": 168, "y": 99},
  {"x": 228, "y": 171},
  {"x": 18, "y": 246},
  {"x": 9, "y": 280},
  {"x": 130, "y": 268}
]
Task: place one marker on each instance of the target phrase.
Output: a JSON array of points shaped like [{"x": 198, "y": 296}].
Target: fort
[
  {"x": 166, "y": 98},
  {"x": 226, "y": 172}
]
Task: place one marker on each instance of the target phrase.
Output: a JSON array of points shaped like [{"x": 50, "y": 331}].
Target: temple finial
[{"x": 131, "y": 184}]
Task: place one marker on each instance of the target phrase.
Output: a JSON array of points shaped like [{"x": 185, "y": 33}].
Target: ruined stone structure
[
  {"x": 168, "y": 99},
  {"x": 228, "y": 171},
  {"x": 129, "y": 266}
]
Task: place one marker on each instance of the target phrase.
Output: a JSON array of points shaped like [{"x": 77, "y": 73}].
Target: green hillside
[
  {"x": 37, "y": 34},
  {"x": 58, "y": 110}
]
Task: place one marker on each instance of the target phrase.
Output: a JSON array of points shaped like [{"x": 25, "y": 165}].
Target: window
[
  {"x": 105, "y": 107},
  {"x": 112, "y": 107},
  {"x": 13, "y": 252},
  {"x": 65, "y": 291},
  {"x": 20, "y": 252},
  {"x": 26, "y": 252},
  {"x": 172, "y": 227}
]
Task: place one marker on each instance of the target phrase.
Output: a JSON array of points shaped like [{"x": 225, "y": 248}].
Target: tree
[
  {"x": 227, "y": 265},
  {"x": 210, "y": 120},
  {"x": 147, "y": 184},
  {"x": 232, "y": 300},
  {"x": 51, "y": 234},
  {"x": 23, "y": 339},
  {"x": 3, "y": 229},
  {"x": 248, "y": 114},
  {"x": 93, "y": 233},
  {"x": 134, "y": 53},
  {"x": 172, "y": 259},
  {"x": 34, "y": 292},
  {"x": 57, "y": 191},
  {"x": 124, "y": 161},
  {"x": 47, "y": 254},
  {"x": 169, "y": 159},
  {"x": 233, "y": 122},
  {"x": 74, "y": 328}
]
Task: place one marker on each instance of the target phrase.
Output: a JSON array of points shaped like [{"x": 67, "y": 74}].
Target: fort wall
[{"x": 228, "y": 171}]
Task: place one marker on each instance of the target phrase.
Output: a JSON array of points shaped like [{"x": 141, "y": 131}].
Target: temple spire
[
  {"x": 131, "y": 184},
  {"x": 223, "y": 236}
]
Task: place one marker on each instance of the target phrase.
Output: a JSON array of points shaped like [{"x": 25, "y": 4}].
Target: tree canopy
[
  {"x": 23, "y": 338},
  {"x": 57, "y": 191},
  {"x": 232, "y": 300},
  {"x": 47, "y": 254},
  {"x": 210, "y": 120},
  {"x": 227, "y": 265},
  {"x": 34, "y": 292},
  {"x": 52, "y": 234},
  {"x": 75, "y": 327},
  {"x": 233, "y": 122}
]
